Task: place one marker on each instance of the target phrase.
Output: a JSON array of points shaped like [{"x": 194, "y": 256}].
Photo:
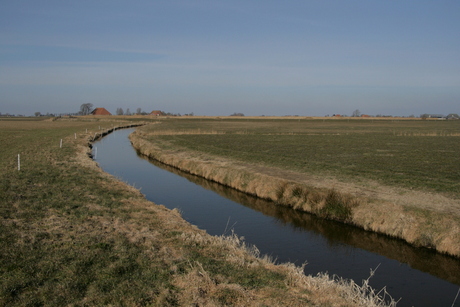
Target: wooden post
[
  {"x": 60, "y": 146},
  {"x": 75, "y": 135},
  {"x": 19, "y": 162}
]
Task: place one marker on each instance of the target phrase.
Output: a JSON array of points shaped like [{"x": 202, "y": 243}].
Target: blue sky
[{"x": 267, "y": 57}]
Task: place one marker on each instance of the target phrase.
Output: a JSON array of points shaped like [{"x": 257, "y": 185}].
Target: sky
[{"x": 216, "y": 58}]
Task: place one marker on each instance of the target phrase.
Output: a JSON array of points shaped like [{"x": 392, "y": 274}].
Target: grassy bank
[
  {"x": 399, "y": 178},
  {"x": 72, "y": 235}
]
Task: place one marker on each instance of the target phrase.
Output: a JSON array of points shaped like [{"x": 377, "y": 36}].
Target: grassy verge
[
  {"x": 73, "y": 235},
  {"x": 399, "y": 178}
]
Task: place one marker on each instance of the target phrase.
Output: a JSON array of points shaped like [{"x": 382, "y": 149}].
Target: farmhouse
[
  {"x": 100, "y": 111},
  {"x": 156, "y": 113}
]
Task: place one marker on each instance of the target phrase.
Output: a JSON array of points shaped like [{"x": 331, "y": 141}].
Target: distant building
[
  {"x": 100, "y": 111},
  {"x": 432, "y": 115},
  {"x": 156, "y": 113},
  {"x": 365, "y": 115},
  {"x": 452, "y": 116}
]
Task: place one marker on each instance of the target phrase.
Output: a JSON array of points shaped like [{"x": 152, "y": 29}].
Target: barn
[{"x": 100, "y": 111}]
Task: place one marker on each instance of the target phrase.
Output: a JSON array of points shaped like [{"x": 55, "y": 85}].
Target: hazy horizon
[{"x": 306, "y": 58}]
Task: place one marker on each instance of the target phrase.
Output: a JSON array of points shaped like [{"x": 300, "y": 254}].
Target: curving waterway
[{"x": 418, "y": 276}]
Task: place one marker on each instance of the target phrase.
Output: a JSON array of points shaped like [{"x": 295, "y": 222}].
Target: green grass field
[{"x": 413, "y": 154}]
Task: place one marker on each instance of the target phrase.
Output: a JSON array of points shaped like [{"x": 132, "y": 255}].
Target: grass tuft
[{"x": 336, "y": 207}]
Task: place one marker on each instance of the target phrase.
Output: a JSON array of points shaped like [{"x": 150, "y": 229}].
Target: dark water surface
[{"x": 419, "y": 276}]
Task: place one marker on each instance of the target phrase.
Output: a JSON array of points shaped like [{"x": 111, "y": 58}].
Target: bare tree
[
  {"x": 356, "y": 113},
  {"x": 120, "y": 111},
  {"x": 86, "y": 108},
  {"x": 138, "y": 111},
  {"x": 36, "y": 114}
]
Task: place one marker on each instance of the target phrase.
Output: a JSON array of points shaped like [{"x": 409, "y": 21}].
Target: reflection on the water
[{"x": 442, "y": 266}]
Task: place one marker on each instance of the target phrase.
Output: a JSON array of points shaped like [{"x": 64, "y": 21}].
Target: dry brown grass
[{"x": 301, "y": 290}]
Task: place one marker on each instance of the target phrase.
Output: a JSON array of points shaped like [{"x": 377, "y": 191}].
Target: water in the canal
[{"x": 419, "y": 276}]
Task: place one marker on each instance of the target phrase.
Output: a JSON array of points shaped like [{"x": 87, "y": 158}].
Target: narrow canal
[{"x": 419, "y": 277}]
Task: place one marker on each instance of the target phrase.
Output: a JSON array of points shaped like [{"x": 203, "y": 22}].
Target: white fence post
[
  {"x": 19, "y": 162},
  {"x": 60, "y": 145}
]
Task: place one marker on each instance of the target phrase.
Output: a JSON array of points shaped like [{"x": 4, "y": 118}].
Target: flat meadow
[
  {"x": 72, "y": 235},
  {"x": 415, "y": 154}
]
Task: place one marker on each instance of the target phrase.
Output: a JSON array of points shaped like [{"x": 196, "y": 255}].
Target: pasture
[
  {"x": 415, "y": 154},
  {"x": 72, "y": 235}
]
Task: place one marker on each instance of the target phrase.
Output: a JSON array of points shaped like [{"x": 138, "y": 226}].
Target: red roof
[
  {"x": 156, "y": 113},
  {"x": 100, "y": 111}
]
